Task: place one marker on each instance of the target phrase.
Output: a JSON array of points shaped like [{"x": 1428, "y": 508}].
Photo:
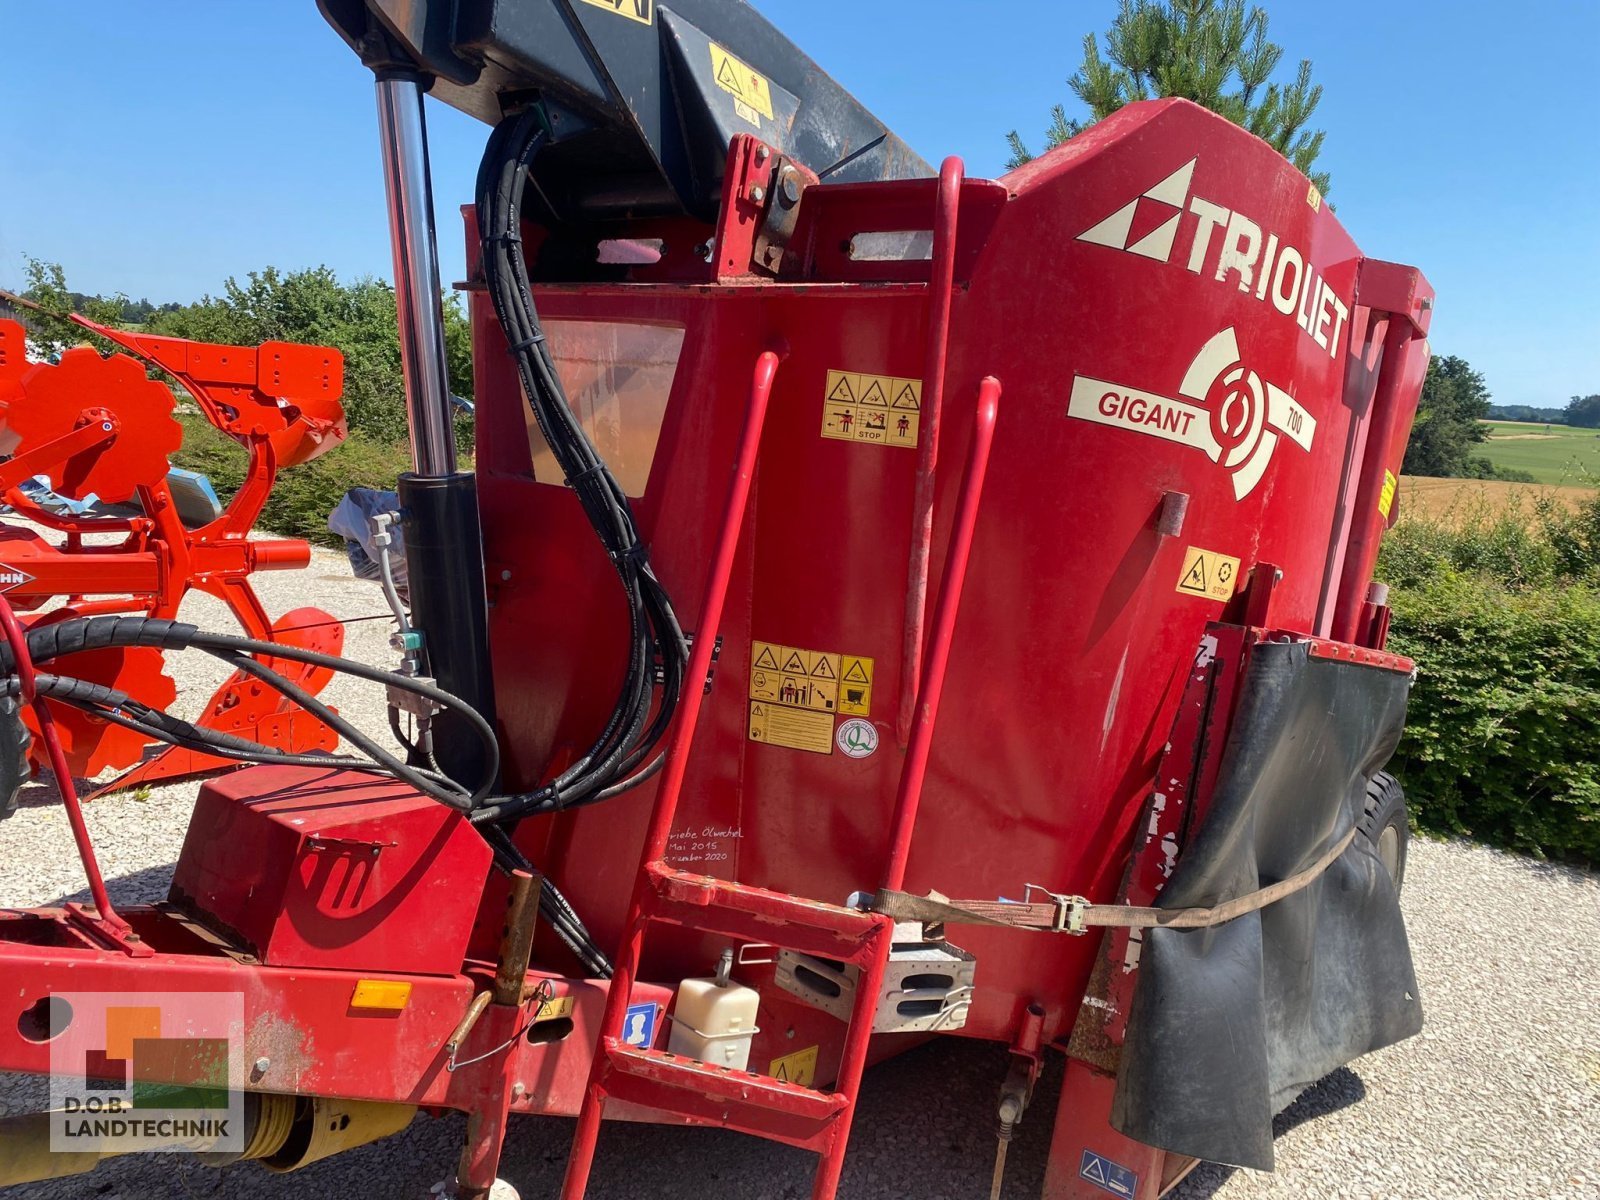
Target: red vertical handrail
[
  {"x": 672, "y": 774},
  {"x": 941, "y": 291},
  {"x": 931, "y": 686},
  {"x": 29, "y": 694}
]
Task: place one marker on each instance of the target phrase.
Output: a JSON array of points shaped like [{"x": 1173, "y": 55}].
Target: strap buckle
[{"x": 1070, "y": 910}]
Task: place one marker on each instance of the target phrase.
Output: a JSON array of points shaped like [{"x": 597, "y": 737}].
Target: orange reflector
[{"x": 387, "y": 994}]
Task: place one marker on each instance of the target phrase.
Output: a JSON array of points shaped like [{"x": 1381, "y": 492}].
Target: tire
[
  {"x": 14, "y": 743},
  {"x": 1385, "y": 825}
]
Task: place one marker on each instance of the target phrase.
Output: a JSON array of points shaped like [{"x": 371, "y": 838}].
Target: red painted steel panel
[{"x": 320, "y": 867}]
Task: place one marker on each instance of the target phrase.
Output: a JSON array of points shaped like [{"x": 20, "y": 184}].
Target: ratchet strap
[{"x": 1074, "y": 914}]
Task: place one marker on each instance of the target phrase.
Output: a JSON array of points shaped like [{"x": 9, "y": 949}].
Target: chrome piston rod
[{"x": 403, "y": 131}]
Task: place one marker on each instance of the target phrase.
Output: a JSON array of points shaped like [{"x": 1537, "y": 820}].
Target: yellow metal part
[
  {"x": 286, "y": 1132},
  {"x": 326, "y": 1126}
]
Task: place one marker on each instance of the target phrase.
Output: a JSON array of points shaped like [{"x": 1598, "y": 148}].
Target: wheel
[
  {"x": 1385, "y": 825},
  {"x": 14, "y": 743}
]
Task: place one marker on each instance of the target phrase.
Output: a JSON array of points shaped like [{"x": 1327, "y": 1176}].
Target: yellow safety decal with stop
[
  {"x": 1208, "y": 573},
  {"x": 881, "y": 410}
]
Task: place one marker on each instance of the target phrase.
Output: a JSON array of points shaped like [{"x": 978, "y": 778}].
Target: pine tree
[{"x": 1214, "y": 52}]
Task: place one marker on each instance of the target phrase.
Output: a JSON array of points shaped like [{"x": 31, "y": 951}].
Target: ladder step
[
  {"x": 755, "y": 1104},
  {"x": 760, "y": 915}
]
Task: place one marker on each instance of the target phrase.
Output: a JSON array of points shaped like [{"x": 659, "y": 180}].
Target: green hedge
[
  {"x": 304, "y": 495},
  {"x": 1501, "y": 611}
]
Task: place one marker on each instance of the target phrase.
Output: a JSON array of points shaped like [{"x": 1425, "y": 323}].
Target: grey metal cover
[{"x": 641, "y": 123}]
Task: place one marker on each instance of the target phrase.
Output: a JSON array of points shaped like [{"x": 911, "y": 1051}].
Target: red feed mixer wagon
[{"x": 886, "y": 604}]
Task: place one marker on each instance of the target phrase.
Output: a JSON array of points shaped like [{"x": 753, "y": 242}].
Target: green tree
[
  {"x": 1455, "y": 400},
  {"x": 312, "y": 305},
  {"x": 1584, "y": 412},
  {"x": 1214, "y": 52},
  {"x": 47, "y": 287}
]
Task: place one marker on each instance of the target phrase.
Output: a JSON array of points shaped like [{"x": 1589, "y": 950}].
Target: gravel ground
[{"x": 1498, "y": 1098}]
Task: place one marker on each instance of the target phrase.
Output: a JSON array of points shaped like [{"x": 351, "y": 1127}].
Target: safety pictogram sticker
[
  {"x": 1386, "y": 496},
  {"x": 642, "y": 11},
  {"x": 795, "y": 677},
  {"x": 855, "y": 685},
  {"x": 799, "y": 1067},
  {"x": 1107, "y": 1175},
  {"x": 794, "y": 693},
  {"x": 796, "y": 728},
  {"x": 884, "y": 410},
  {"x": 752, "y": 94},
  {"x": 555, "y": 1008},
  {"x": 1209, "y": 574}
]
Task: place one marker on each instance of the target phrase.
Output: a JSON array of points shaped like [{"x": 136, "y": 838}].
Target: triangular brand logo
[
  {"x": 1147, "y": 224},
  {"x": 11, "y": 577}
]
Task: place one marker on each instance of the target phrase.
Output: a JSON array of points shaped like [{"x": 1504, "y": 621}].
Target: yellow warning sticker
[
  {"x": 855, "y": 685},
  {"x": 799, "y": 1067},
  {"x": 559, "y": 1006},
  {"x": 885, "y": 410},
  {"x": 1386, "y": 497},
  {"x": 1313, "y": 196},
  {"x": 642, "y": 11},
  {"x": 1207, "y": 573},
  {"x": 796, "y": 728},
  {"x": 799, "y": 678},
  {"x": 751, "y": 93}
]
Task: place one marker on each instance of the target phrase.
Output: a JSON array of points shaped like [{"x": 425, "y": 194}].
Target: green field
[{"x": 1550, "y": 453}]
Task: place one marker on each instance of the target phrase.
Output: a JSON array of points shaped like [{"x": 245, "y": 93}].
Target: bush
[
  {"x": 1501, "y": 611},
  {"x": 1503, "y": 738},
  {"x": 304, "y": 495},
  {"x": 313, "y": 306}
]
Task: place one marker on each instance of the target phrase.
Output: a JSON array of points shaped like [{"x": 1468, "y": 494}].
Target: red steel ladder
[{"x": 742, "y": 1100}]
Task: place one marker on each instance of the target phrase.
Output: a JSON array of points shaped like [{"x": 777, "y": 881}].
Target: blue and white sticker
[
  {"x": 1107, "y": 1175},
  {"x": 639, "y": 1026}
]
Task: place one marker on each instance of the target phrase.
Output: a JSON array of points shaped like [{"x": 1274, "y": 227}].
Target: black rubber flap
[{"x": 1230, "y": 1024}]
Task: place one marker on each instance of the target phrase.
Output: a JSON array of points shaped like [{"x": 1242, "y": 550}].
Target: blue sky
[{"x": 159, "y": 155}]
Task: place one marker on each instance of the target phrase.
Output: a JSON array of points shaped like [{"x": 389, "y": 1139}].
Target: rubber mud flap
[{"x": 1229, "y": 1024}]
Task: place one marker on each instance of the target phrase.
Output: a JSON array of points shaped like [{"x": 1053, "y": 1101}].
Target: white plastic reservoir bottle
[{"x": 714, "y": 1019}]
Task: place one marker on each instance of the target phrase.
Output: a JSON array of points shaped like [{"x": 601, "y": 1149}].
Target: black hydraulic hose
[
  {"x": 230, "y": 644},
  {"x": 349, "y": 732},
  {"x": 553, "y": 906},
  {"x": 630, "y": 734}
]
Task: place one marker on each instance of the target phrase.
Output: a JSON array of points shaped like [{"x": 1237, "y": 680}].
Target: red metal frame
[
  {"x": 99, "y": 425},
  {"x": 103, "y": 919}
]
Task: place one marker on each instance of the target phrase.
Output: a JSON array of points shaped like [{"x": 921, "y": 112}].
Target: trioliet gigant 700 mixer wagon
[{"x": 886, "y": 604}]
